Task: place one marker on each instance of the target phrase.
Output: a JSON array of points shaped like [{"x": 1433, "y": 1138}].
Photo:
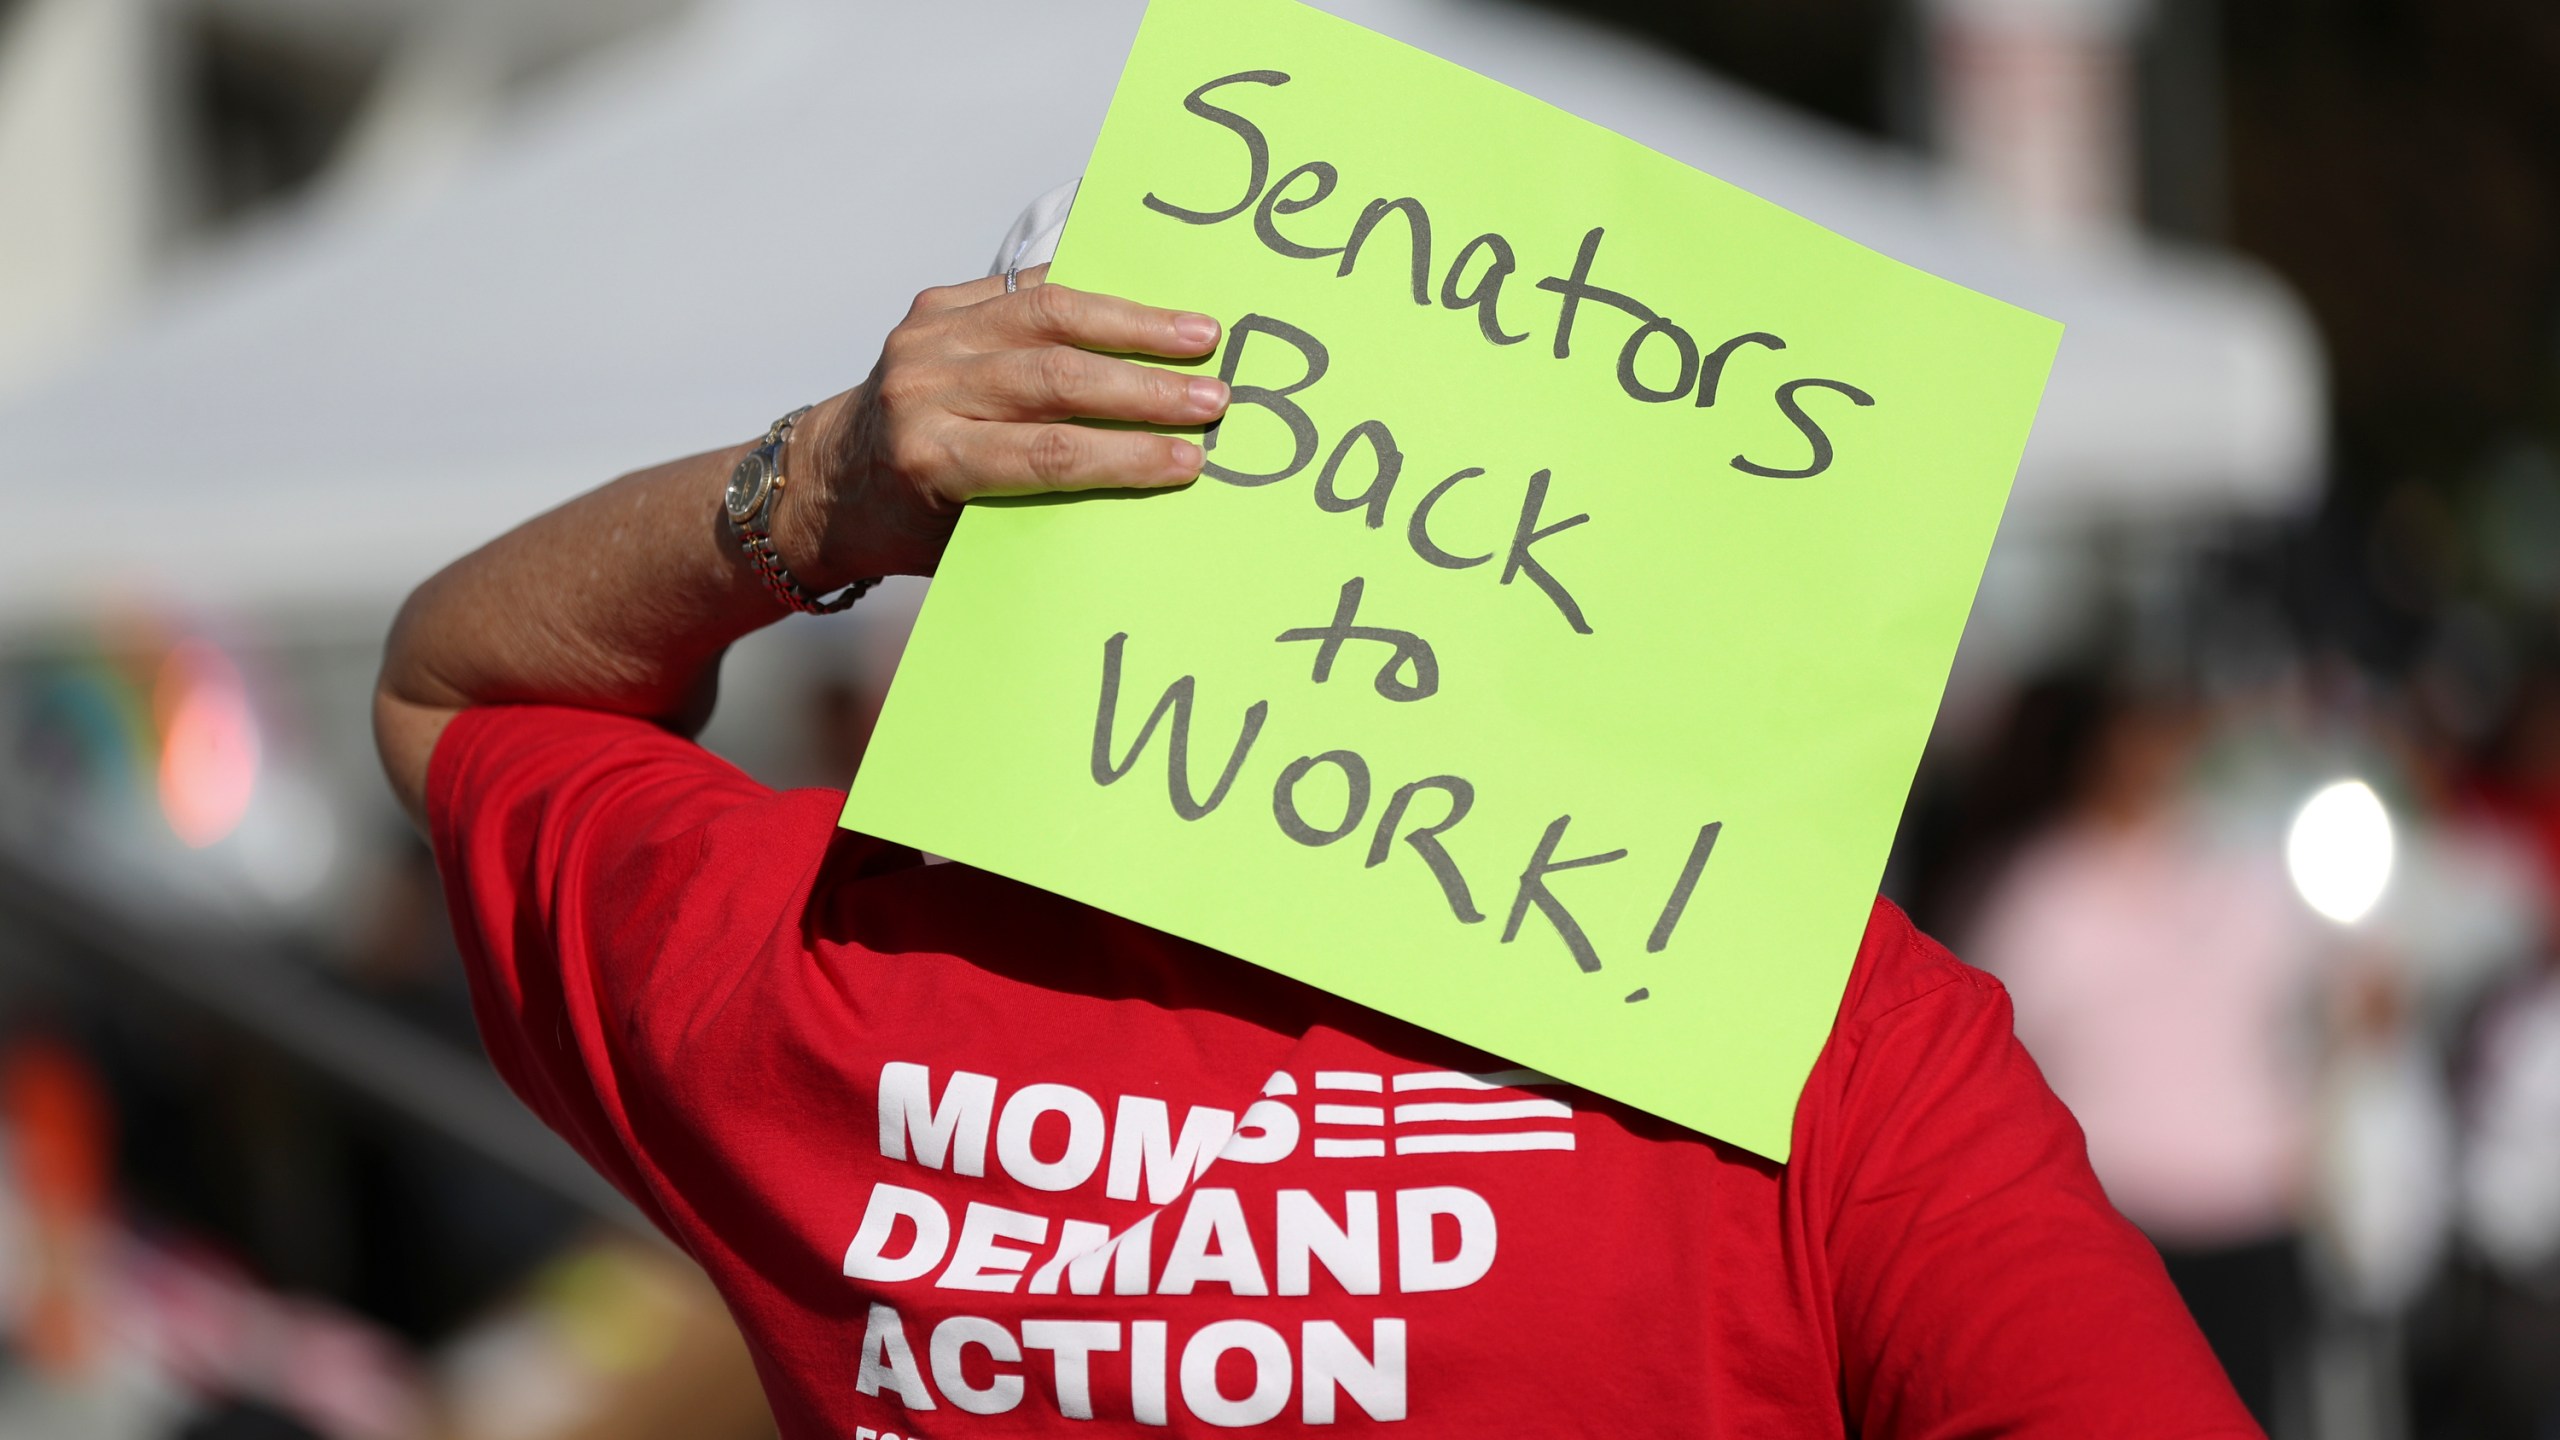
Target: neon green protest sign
[{"x": 1546, "y": 653}]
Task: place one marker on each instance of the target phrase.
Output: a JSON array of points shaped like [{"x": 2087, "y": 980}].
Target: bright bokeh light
[
  {"x": 2340, "y": 849},
  {"x": 208, "y": 743}
]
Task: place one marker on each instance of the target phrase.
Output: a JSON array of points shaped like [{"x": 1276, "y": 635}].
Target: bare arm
[{"x": 625, "y": 598}]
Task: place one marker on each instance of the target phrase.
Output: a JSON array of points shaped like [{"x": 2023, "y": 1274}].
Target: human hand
[{"x": 974, "y": 394}]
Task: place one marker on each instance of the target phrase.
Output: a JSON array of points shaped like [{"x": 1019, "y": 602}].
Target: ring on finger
[{"x": 1010, "y": 272}]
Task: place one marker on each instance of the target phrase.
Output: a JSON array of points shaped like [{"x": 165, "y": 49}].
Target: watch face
[{"x": 747, "y": 486}]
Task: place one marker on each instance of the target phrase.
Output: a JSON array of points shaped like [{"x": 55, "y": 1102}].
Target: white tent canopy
[{"x": 682, "y": 243}]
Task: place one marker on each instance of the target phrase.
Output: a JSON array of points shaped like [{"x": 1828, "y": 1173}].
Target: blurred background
[{"x": 2247, "y": 783}]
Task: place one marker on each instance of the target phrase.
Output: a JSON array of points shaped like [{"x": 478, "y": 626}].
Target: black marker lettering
[
  {"x": 1177, "y": 699},
  {"x": 1804, "y": 423},
  {"x": 1577, "y": 288},
  {"x": 1417, "y": 531},
  {"x": 1257, "y": 149},
  {"x": 1355, "y": 807},
  {"x": 1533, "y": 891},
  {"x": 1712, "y": 369},
  {"x": 1410, "y": 649},
  {"x": 1528, "y": 533},
  {"x": 1686, "y": 347},
  {"x": 1425, "y": 840},
  {"x": 1302, "y": 430},
  {"x": 1417, "y": 229},
  {"x": 1388, "y": 460},
  {"x": 1672, "y": 909},
  {"x": 1279, "y": 201},
  {"x": 1486, "y": 294}
]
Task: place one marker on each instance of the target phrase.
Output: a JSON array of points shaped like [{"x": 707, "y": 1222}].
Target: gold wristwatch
[{"x": 754, "y": 497}]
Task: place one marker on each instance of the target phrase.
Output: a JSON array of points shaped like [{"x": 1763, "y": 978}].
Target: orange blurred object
[{"x": 62, "y": 1127}]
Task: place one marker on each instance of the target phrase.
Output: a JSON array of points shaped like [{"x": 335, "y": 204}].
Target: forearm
[
  {"x": 618, "y": 600},
  {"x": 622, "y": 599}
]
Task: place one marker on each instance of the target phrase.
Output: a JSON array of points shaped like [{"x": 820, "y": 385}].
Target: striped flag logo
[{"x": 1360, "y": 1113}]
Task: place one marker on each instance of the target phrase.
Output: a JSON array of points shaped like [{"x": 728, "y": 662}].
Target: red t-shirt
[{"x": 966, "y": 1158}]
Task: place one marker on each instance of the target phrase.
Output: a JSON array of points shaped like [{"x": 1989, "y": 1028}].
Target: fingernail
[
  {"x": 1208, "y": 394},
  {"x": 1198, "y": 330},
  {"x": 1187, "y": 457}
]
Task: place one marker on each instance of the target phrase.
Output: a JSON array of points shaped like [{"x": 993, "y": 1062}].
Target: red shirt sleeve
[
  {"x": 571, "y": 844},
  {"x": 1982, "y": 1283}
]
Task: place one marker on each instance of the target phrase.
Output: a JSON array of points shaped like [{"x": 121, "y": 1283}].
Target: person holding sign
[{"x": 967, "y": 1158}]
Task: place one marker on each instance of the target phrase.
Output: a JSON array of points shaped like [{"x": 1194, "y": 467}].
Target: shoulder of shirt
[
  {"x": 1899, "y": 967},
  {"x": 504, "y": 755},
  {"x": 514, "y": 732}
]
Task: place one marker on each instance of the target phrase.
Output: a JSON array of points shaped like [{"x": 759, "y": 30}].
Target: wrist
[
  {"x": 855, "y": 520},
  {"x": 802, "y": 524}
]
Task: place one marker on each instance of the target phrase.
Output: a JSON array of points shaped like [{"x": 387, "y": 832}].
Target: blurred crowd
[{"x": 2288, "y": 955}]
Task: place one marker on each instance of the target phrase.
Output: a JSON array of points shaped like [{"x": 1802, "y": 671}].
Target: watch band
[{"x": 755, "y": 532}]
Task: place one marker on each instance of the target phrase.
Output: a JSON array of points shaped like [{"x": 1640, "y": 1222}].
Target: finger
[
  {"x": 972, "y": 292},
  {"x": 1063, "y": 315},
  {"x": 1055, "y": 382},
  {"x": 992, "y": 288},
  {"x": 1026, "y": 459}
]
